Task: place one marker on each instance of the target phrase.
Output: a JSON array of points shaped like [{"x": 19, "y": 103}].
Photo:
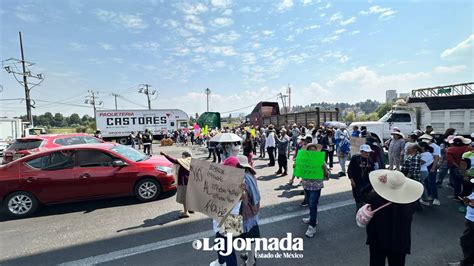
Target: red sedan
[
  {"x": 82, "y": 172},
  {"x": 32, "y": 144}
]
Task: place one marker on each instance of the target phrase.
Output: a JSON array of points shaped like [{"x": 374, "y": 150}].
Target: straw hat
[
  {"x": 464, "y": 140},
  {"x": 397, "y": 133},
  {"x": 243, "y": 161},
  {"x": 395, "y": 187},
  {"x": 426, "y": 136}
]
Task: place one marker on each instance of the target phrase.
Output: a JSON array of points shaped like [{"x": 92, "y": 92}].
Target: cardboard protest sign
[
  {"x": 309, "y": 164},
  {"x": 356, "y": 143},
  {"x": 213, "y": 189}
]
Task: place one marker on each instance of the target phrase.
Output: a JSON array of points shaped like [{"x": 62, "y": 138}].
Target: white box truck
[
  {"x": 441, "y": 107},
  {"x": 10, "y": 129},
  {"x": 118, "y": 124}
]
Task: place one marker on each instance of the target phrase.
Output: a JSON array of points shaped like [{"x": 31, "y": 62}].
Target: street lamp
[{"x": 208, "y": 92}]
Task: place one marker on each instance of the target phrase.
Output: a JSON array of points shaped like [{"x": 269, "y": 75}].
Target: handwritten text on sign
[
  {"x": 213, "y": 189},
  {"x": 309, "y": 165}
]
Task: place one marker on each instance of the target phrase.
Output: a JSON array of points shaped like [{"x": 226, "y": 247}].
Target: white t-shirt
[
  {"x": 436, "y": 149},
  {"x": 270, "y": 142},
  {"x": 428, "y": 159}
]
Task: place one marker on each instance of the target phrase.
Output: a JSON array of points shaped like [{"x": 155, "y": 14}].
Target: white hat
[
  {"x": 397, "y": 133},
  {"x": 365, "y": 148},
  {"x": 464, "y": 140},
  {"x": 300, "y": 137},
  {"x": 472, "y": 135},
  {"x": 395, "y": 187},
  {"x": 244, "y": 161},
  {"x": 426, "y": 136}
]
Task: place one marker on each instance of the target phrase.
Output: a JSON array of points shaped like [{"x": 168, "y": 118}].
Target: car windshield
[
  {"x": 25, "y": 144},
  {"x": 385, "y": 117},
  {"x": 129, "y": 153},
  {"x": 76, "y": 140}
]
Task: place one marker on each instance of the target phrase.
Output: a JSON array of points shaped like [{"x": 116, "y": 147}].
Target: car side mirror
[{"x": 119, "y": 163}]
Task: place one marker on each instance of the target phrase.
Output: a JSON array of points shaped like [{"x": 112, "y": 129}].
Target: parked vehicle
[
  {"x": 33, "y": 144},
  {"x": 118, "y": 124},
  {"x": 441, "y": 107},
  {"x": 14, "y": 128},
  {"x": 266, "y": 113},
  {"x": 82, "y": 172},
  {"x": 3, "y": 146}
]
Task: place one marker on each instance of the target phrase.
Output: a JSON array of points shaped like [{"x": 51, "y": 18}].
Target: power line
[
  {"x": 92, "y": 100},
  {"x": 147, "y": 92}
]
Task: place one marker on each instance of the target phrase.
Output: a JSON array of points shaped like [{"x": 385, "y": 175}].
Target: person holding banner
[
  {"x": 312, "y": 189},
  {"x": 181, "y": 172}
]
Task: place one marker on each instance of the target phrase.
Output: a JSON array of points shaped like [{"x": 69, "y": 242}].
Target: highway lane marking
[{"x": 119, "y": 254}]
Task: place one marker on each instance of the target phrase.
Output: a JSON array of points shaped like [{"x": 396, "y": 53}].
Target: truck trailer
[{"x": 118, "y": 124}]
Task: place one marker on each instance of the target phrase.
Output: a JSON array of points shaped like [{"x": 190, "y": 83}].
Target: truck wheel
[
  {"x": 123, "y": 141},
  {"x": 147, "y": 190},
  {"x": 20, "y": 204}
]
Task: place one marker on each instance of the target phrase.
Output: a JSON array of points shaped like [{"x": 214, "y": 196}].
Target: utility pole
[
  {"x": 208, "y": 92},
  {"x": 147, "y": 92},
  {"x": 289, "y": 98},
  {"x": 24, "y": 78},
  {"x": 283, "y": 101},
  {"x": 115, "y": 96},
  {"x": 92, "y": 100}
]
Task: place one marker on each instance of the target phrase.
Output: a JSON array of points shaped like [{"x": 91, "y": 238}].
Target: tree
[
  {"x": 74, "y": 119},
  {"x": 373, "y": 116},
  {"x": 383, "y": 109},
  {"x": 350, "y": 117},
  {"x": 58, "y": 120}
]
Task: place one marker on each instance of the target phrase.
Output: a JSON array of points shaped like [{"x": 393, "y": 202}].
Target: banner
[
  {"x": 253, "y": 132},
  {"x": 309, "y": 164},
  {"x": 355, "y": 144},
  {"x": 213, "y": 189}
]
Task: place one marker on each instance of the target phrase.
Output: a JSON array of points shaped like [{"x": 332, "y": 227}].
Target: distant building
[
  {"x": 391, "y": 96},
  {"x": 404, "y": 95}
]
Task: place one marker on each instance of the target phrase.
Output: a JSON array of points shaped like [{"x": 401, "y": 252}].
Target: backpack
[{"x": 365, "y": 214}]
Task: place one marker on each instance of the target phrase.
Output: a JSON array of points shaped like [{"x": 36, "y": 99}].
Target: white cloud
[
  {"x": 330, "y": 39},
  {"x": 341, "y": 58},
  {"x": 145, "y": 46},
  {"x": 223, "y": 4},
  {"x": 106, "y": 46},
  {"x": 248, "y": 9},
  {"x": 449, "y": 70},
  {"x": 355, "y": 32},
  {"x": 385, "y": 13},
  {"x": 222, "y": 22},
  {"x": 227, "y": 12},
  {"x": 76, "y": 6},
  {"x": 24, "y": 12},
  {"x": 249, "y": 59},
  {"x": 76, "y": 46},
  {"x": 117, "y": 60},
  {"x": 336, "y": 16},
  {"x": 285, "y": 5},
  {"x": 268, "y": 32},
  {"x": 348, "y": 21},
  {"x": 312, "y": 27},
  {"x": 170, "y": 23},
  {"x": 229, "y": 37},
  {"x": 223, "y": 50},
  {"x": 133, "y": 22},
  {"x": 306, "y": 2},
  {"x": 339, "y": 31},
  {"x": 194, "y": 23},
  {"x": 328, "y": 5},
  {"x": 181, "y": 51},
  {"x": 190, "y": 9},
  {"x": 461, "y": 51}
]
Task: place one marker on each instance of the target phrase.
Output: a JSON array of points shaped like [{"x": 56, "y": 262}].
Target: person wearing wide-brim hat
[
  {"x": 181, "y": 173},
  {"x": 250, "y": 207},
  {"x": 396, "y": 149},
  {"x": 389, "y": 231}
]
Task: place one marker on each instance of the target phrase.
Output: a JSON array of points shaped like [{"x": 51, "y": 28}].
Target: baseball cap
[{"x": 365, "y": 148}]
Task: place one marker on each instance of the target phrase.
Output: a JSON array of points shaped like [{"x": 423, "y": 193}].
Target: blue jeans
[
  {"x": 313, "y": 200},
  {"x": 424, "y": 178},
  {"x": 230, "y": 260},
  {"x": 432, "y": 187}
]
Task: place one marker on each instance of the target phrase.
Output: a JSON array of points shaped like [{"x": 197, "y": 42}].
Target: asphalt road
[{"x": 125, "y": 232}]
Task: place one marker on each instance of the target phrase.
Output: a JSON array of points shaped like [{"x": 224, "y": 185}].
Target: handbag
[
  {"x": 365, "y": 214},
  {"x": 233, "y": 224}
]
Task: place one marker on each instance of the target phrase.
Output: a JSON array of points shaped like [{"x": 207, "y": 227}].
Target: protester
[
  {"x": 270, "y": 145},
  {"x": 140, "y": 140},
  {"x": 358, "y": 171},
  {"x": 389, "y": 231},
  {"x": 98, "y": 134},
  {"x": 363, "y": 132},
  {"x": 467, "y": 239},
  {"x": 147, "y": 142},
  {"x": 459, "y": 146},
  {"x": 426, "y": 158},
  {"x": 443, "y": 164},
  {"x": 131, "y": 139},
  {"x": 248, "y": 146},
  {"x": 312, "y": 189},
  {"x": 250, "y": 208},
  {"x": 412, "y": 164},
  {"x": 261, "y": 144},
  {"x": 395, "y": 147},
  {"x": 343, "y": 149},
  {"x": 181, "y": 172},
  {"x": 429, "y": 130},
  {"x": 377, "y": 154},
  {"x": 355, "y": 132},
  {"x": 295, "y": 133},
  {"x": 283, "y": 143},
  {"x": 301, "y": 143},
  {"x": 433, "y": 169},
  {"x": 328, "y": 146}
]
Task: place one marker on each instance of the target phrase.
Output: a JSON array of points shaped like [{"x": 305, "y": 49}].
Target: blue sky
[{"x": 244, "y": 51}]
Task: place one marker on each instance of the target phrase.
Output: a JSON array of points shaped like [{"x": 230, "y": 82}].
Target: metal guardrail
[{"x": 449, "y": 90}]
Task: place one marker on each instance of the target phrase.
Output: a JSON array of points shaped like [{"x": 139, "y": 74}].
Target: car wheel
[
  {"x": 20, "y": 204},
  {"x": 123, "y": 141},
  {"x": 147, "y": 190}
]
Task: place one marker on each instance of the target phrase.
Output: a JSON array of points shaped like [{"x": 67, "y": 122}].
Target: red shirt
[{"x": 454, "y": 154}]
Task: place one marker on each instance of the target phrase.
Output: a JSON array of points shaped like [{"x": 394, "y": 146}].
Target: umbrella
[
  {"x": 335, "y": 124},
  {"x": 226, "y": 137}
]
